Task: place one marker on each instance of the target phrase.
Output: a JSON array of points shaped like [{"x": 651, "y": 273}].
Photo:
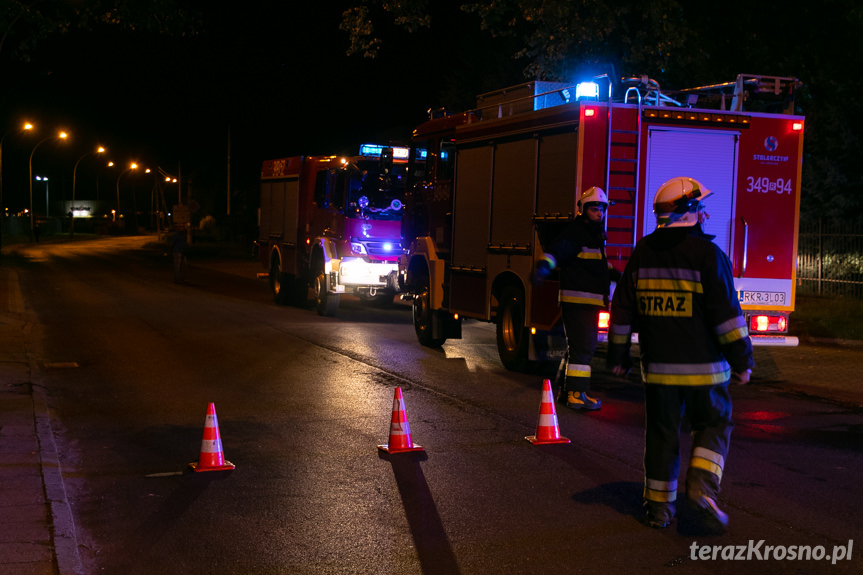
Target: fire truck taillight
[
  {"x": 589, "y": 112},
  {"x": 604, "y": 318},
  {"x": 797, "y": 126},
  {"x": 767, "y": 323}
]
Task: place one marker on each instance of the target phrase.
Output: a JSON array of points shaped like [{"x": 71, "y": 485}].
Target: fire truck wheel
[
  {"x": 326, "y": 303},
  {"x": 279, "y": 283},
  {"x": 423, "y": 319},
  {"x": 512, "y": 335}
]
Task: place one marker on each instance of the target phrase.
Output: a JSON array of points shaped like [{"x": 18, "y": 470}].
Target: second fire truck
[
  {"x": 499, "y": 180},
  {"x": 333, "y": 224}
]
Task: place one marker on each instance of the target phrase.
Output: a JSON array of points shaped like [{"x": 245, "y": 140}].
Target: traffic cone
[
  {"x": 547, "y": 430},
  {"x": 400, "y": 429},
  {"x": 212, "y": 458}
]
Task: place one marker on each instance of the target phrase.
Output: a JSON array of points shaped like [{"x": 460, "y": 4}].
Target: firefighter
[
  {"x": 678, "y": 291},
  {"x": 585, "y": 276}
]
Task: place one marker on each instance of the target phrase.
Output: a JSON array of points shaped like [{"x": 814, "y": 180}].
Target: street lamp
[
  {"x": 131, "y": 167},
  {"x": 27, "y": 126},
  {"x": 99, "y": 150},
  {"x": 60, "y": 136}
]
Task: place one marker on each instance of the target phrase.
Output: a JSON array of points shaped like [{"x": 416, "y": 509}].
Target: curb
[{"x": 63, "y": 534}]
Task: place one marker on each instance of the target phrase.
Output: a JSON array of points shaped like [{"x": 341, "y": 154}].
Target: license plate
[{"x": 762, "y": 297}]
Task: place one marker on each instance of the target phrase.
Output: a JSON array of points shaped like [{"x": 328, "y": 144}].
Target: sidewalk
[{"x": 37, "y": 533}]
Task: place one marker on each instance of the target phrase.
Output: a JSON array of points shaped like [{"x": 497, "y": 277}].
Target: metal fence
[{"x": 830, "y": 259}]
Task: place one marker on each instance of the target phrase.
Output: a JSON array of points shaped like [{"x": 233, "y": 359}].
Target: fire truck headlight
[
  {"x": 353, "y": 267},
  {"x": 358, "y": 248}
]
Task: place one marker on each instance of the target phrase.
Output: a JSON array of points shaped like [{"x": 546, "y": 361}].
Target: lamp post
[
  {"x": 24, "y": 128},
  {"x": 44, "y": 179},
  {"x": 60, "y": 136},
  {"x": 168, "y": 180},
  {"x": 131, "y": 167},
  {"x": 110, "y": 164},
  {"x": 99, "y": 150}
]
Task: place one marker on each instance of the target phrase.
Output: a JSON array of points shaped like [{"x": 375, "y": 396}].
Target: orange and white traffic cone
[
  {"x": 547, "y": 430},
  {"x": 212, "y": 458},
  {"x": 400, "y": 429}
]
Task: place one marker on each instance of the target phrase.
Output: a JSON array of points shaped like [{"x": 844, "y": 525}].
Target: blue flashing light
[
  {"x": 422, "y": 153},
  {"x": 375, "y": 151},
  {"x": 372, "y": 150},
  {"x": 388, "y": 247},
  {"x": 586, "y": 90}
]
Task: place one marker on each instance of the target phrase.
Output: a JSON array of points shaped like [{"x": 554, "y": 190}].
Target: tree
[
  {"x": 25, "y": 25},
  {"x": 678, "y": 43},
  {"x": 549, "y": 36}
]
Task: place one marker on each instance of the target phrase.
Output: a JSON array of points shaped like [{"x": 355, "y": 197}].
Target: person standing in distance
[
  {"x": 678, "y": 292},
  {"x": 585, "y": 277},
  {"x": 178, "y": 251}
]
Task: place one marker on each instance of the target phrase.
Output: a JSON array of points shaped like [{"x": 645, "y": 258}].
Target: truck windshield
[{"x": 376, "y": 193}]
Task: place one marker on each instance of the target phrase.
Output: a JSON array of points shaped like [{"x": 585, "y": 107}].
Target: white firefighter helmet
[
  {"x": 676, "y": 202},
  {"x": 593, "y": 195}
]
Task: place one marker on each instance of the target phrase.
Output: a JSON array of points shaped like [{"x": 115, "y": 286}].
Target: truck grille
[{"x": 382, "y": 248}]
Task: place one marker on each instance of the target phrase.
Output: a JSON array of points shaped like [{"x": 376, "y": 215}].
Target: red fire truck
[
  {"x": 333, "y": 224},
  {"x": 500, "y": 179}
]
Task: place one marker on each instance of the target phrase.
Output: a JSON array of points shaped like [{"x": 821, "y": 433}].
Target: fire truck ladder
[{"x": 621, "y": 179}]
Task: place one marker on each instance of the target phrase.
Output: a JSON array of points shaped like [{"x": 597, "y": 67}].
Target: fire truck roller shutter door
[{"x": 707, "y": 156}]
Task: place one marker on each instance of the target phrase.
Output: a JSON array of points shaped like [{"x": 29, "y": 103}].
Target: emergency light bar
[
  {"x": 375, "y": 151},
  {"x": 586, "y": 90}
]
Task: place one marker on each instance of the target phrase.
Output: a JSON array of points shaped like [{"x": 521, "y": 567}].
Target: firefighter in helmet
[
  {"x": 585, "y": 277},
  {"x": 678, "y": 290}
]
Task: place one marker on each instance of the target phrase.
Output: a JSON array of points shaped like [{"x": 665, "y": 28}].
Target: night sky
[{"x": 278, "y": 80}]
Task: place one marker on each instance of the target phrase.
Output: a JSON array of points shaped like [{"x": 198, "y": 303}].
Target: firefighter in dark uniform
[
  {"x": 585, "y": 276},
  {"x": 678, "y": 292}
]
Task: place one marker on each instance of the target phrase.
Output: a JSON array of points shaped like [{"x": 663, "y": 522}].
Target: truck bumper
[
  {"x": 357, "y": 273},
  {"x": 757, "y": 340}
]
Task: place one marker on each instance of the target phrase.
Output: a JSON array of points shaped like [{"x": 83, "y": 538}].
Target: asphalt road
[{"x": 129, "y": 362}]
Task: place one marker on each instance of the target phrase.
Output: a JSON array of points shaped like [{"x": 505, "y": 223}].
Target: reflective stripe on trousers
[
  {"x": 580, "y": 324},
  {"x": 708, "y": 409}
]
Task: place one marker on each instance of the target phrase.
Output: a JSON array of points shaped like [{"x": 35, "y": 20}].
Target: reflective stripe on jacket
[
  {"x": 579, "y": 254},
  {"x": 678, "y": 291}
]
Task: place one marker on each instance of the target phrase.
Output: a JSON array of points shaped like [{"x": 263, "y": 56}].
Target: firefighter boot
[
  {"x": 701, "y": 489},
  {"x": 658, "y": 515},
  {"x": 580, "y": 400},
  {"x": 712, "y": 516}
]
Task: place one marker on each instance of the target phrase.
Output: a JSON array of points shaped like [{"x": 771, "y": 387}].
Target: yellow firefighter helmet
[
  {"x": 676, "y": 202},
  {"x": 593, "y": 195}
]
